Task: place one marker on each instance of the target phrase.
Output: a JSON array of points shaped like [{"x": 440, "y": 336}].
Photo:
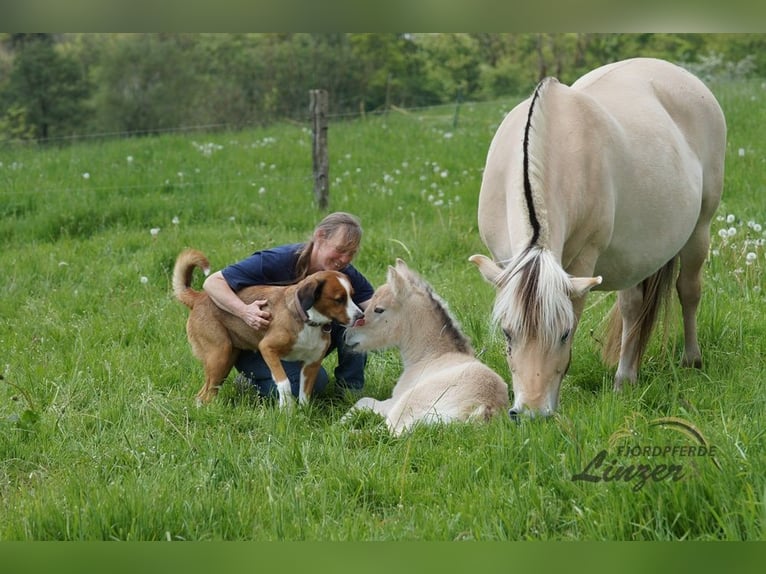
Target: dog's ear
[{"x": 309, "y": 292}]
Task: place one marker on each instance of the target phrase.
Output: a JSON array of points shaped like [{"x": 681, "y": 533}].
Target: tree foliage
[
  {"x": 45, "y": 93},
  {"x": 52, "y": 86}
]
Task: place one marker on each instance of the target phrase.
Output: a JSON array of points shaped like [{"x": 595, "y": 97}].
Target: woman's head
[{"x": 334, "y": 243}]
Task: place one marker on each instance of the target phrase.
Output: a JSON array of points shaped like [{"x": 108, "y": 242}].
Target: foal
[{"x": 442, "y": 379}]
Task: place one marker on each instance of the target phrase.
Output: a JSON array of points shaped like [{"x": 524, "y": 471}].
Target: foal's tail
[
  {"x": 485, "y": 411},
  {"x": 657, "y": 290}
]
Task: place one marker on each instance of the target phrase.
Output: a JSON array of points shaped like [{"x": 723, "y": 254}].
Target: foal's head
[
  {"x": 406, "y": 313},
  {"x": 535, "y": 311}
]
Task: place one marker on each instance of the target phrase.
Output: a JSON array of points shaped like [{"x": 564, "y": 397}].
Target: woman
[{"x": 332, "y": 246}]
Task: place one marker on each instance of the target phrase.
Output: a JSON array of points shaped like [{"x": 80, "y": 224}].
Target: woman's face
[{"x": 332, "y": 253}]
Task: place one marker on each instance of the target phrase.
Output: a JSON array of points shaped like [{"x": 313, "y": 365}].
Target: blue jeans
[{"x": 348, "y": 374}]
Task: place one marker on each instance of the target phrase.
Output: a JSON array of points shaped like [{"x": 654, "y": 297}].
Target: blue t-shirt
[{"x": 276, "y": 266}]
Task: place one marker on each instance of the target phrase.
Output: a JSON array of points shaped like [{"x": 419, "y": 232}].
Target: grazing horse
[
  {"x": 442, "y": 380},
  {"x": 602, "y": 185}
]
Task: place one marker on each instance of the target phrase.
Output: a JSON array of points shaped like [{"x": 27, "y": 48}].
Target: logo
[{"x": 639, "y": 463}]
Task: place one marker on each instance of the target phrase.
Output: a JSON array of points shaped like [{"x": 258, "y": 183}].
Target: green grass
[{"x": 99, "y": 435}]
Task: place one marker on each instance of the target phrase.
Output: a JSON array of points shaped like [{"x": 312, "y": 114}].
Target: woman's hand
[
  {"x": 253, "y": 314},
  {"x": 256, "y": 316}
]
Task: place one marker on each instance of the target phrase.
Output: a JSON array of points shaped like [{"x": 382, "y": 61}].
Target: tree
[
  {"x": 45, "y": 87},
  {"x": 147, "y": 83}
]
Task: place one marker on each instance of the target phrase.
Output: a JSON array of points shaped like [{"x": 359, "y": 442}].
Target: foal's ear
[
  {"x": 396, "y": 279},
  {"x": 581, "y": 285},
  {"x": 488, "y": 268}
]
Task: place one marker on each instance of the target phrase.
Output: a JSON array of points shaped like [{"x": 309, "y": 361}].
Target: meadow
[{"x": 99, "y": 435}]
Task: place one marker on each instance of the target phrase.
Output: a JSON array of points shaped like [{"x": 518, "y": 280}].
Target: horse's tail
[
  {"x": 657, "y": 290},
  {"x": 182, "y": 276}
]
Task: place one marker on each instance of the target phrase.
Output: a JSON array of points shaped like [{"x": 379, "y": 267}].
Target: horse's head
[{"x": 534, "y": 308}]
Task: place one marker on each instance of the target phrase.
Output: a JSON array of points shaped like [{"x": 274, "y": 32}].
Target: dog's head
[{"x": 326, "y": 296}]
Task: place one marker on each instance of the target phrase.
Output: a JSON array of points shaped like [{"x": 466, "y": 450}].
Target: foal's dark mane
[{"x": 451, "y": 327}]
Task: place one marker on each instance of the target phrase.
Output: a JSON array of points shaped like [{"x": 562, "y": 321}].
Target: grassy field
[{"x": 99, "y": 435}]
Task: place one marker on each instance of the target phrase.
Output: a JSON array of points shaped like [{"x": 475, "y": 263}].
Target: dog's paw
[{"x": 287, "y": 402}]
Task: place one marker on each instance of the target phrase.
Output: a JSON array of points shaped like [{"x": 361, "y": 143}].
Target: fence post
[
  {"x": 318, "y": 108},
  {"x": 457, "y": 108}
]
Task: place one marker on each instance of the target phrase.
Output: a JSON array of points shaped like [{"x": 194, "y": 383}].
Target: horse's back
[
  {"x": 631, "y": 158},
  {"x": 663, "y": 90},
  {"x": 667, "y": 165}
]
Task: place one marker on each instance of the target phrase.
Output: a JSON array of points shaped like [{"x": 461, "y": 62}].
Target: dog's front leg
[
  {"x": 286, "y": 399},
  {"x": 274, "y": 363},
  {"x": 309, "y": 374}
]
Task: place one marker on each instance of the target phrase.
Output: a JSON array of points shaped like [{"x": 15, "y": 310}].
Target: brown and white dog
[{"x": 301, "y": 317}]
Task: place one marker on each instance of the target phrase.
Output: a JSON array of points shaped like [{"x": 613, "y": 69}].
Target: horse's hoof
[{"x": 692, "y": 363}]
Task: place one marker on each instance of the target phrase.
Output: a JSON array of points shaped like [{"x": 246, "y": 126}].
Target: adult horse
[{"x": 602, "y": 185}]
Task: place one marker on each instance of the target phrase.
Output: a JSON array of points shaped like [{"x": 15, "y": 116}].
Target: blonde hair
[{"x": 334, "y": 223}]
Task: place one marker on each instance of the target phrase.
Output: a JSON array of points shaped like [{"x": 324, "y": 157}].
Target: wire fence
[
  {"x": 450, "y": 112},
  {"x": 446, "y": 116}
]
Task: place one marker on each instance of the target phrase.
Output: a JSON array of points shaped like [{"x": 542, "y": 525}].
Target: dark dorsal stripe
[
  {"x": 455, "y": 334},
  {"x": 527, "y": 183}
]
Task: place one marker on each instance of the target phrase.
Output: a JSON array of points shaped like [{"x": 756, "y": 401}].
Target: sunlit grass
[{"x": 99, "y": 435}]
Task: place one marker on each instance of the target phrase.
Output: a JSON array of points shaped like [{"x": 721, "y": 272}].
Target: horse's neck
[{"x": 541, "y": 196}]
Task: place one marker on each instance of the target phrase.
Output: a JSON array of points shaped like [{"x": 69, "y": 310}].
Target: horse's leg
[
  {"x": 689, "y": 288},
  {"x": 629, "y": 301}
]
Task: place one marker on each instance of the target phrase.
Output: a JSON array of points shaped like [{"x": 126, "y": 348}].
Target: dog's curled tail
[{"x": 182, "y": 275}]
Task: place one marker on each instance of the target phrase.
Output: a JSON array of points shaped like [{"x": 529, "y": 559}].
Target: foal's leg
[
  {"x": 689, "y": 288},
  {"x": 368, "y": 403},
  {"x": 629, "y": 301}
]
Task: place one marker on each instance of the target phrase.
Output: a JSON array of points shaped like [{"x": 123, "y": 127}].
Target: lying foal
[{"x": 442, "y": 379}]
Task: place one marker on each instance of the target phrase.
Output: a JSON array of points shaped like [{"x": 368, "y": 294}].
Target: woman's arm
[{"x": 224, "y": 297}]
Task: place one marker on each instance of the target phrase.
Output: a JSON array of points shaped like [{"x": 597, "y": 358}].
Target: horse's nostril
[{"x": 514, "y": 415}]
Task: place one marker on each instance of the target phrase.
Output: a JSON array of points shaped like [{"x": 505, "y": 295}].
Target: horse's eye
[
  {"x": 565, "y": 336},
  {"x": 507, "y": 337},
  {"x": 379, "y": 309}
]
